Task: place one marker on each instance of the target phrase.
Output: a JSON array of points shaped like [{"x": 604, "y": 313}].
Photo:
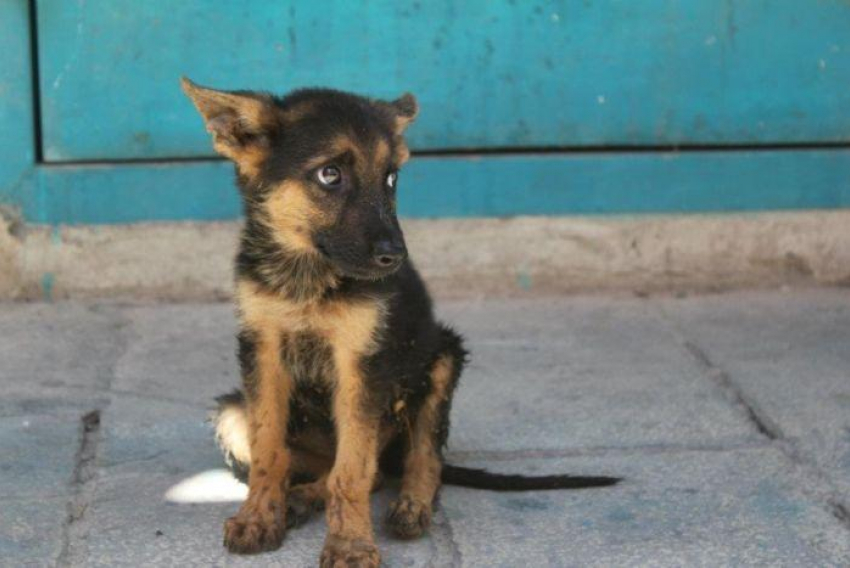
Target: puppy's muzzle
[{"x": 388, "y": 255}]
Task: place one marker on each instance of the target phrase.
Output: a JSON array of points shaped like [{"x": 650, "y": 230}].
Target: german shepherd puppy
[{"x": 344, "y": 369}]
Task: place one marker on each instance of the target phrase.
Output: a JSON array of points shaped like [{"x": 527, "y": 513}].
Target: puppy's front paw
[
  {"x": 257, "y": 527},
  {"x": 408, "y": 517},
  {"x": 356, "y": 553}
]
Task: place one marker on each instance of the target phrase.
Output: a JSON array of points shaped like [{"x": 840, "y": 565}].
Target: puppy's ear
[
  {"x": 238, "y": 121},
  {"x": 404, "y": 109}
]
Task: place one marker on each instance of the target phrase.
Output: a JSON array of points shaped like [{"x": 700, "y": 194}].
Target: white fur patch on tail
[
  {"x": 231, "y": 433},
  {"x": 212, "y": 486}
]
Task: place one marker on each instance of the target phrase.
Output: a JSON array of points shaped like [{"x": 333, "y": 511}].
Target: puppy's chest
[
  {"x": 314, "y": 337},
  {"x": 307, "y": 356}
]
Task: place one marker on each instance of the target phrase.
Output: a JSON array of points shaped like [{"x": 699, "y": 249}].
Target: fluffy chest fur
[{"x": 315, "y": 336}]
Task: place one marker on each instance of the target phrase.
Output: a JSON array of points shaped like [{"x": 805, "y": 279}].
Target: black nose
[{"x": 386, "y": 254}]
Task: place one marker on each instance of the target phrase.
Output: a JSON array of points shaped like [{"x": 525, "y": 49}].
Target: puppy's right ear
[
  {"x": 405, "y": 109},
  {"x": 238, "y": 121}
]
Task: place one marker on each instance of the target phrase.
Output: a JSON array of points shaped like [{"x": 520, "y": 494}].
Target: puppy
[{"x": 345, "y": 371}]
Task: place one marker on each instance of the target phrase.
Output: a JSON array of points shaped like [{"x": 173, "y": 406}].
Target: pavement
[{"x": 727, "y": 415}]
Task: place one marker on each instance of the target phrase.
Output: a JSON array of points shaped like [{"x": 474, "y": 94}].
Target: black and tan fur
[{"x": 345, "y": 370}]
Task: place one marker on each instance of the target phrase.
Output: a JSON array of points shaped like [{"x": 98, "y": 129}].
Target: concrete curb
[{"x": 459, "y": 257}]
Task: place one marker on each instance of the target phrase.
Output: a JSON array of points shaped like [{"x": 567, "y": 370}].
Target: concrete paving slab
[
  {"x": 39, "y": 441},
  {"x": 582, "y": 372},
  {"x": 148, "y": 448},
  {"x": 789, "y": 354},
  {"x": 146, "y": 436},
  {"x": 584, "y": 385},
  {"x": 38, "y": 453},
  {"x": 31, "y": 531},
  {"x": 59, "y": 347},
  {"x": 180, "y": 351},
  {"x": 736, "y": 508},
  {"x": 131, "y": 525}
]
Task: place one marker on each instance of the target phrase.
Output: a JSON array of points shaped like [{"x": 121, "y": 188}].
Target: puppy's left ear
[
  {"x": 239, "y": 121},
  {"x": 404, "y": 109}
]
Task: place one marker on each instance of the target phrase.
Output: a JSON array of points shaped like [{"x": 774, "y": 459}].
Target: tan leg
[
  {"x": 260, "y": 523},
  {"x": 350, "y": 540},
  {"x": 410, "y": 515}
]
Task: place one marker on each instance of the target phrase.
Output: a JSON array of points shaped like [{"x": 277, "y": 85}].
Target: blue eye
[
  {"x": 329, "y": 176},
  {"x": 392, "y": 178}
]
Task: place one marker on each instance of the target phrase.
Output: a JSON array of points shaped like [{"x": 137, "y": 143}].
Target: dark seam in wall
[
  {"x": 507, "y": 151},
  {"x": 36, "y": 86},
  {"x": 636, "y": 148}
]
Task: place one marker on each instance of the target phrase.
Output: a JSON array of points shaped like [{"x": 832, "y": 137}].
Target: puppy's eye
[
  {"x": 329, "y": 176},
  {"x": 392, "y": 178}
]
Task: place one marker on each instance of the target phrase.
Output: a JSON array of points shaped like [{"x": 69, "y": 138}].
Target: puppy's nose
[{"x": 386, "y": 254}]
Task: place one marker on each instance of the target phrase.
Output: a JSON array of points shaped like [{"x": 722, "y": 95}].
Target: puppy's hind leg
[{"x": 410, "y": 515}]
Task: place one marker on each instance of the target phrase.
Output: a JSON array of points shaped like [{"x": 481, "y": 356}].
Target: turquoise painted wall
[{"x": 528, "y": 107}]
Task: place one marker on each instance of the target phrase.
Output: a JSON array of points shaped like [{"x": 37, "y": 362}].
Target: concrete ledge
[{"x": 459, "y": 258}]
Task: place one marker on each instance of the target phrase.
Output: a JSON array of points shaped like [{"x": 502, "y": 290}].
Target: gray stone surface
[
  {"x": 791, "y": 360},
  {"x": 601, "y": 372},
  {"x": 732, "y": 508},
  {"x": 38, "y": 447},
  {"x": 181, "y": 351},
  {"x": 57, "y": 348},
  {"x": 31, "y": 531},
  {"x": 727, "y": 416}
]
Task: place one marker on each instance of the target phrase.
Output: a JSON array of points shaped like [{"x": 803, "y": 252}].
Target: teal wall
[{"x": 528, "y": 107}]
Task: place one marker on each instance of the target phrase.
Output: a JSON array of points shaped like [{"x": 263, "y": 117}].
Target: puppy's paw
[
  {"x": 255, "y": 528},
  {"x": 301, "y": 506},
  {"x": 356, "y": 553},
  {"x": 408, "y": 517}
]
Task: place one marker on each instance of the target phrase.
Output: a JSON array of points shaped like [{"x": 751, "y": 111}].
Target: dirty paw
[
  {"x": 356, "y": 553},
  {"x": 250, "y": 532},
  {"x": 408, "y": 517}
]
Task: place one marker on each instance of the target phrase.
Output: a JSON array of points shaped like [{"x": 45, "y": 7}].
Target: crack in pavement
[
  {"x": 83, "y": 488},
  {"x": 446, "y": 549},
  {"x": 733, "y": 392},
  {"x": 84, "y": 476},
  {"x": 840, "y": 512},
  {"x": 824, "y": 490}
]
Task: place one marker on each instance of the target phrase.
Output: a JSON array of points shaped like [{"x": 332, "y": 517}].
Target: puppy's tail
[
  {"x": 483, "y": 479},
  {"x": 231, "y": 432}
]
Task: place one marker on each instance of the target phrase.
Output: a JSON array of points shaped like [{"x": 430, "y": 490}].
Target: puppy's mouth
[
  {"x": 359, "y": 273},
  {"x": 355, "y": 271}
]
